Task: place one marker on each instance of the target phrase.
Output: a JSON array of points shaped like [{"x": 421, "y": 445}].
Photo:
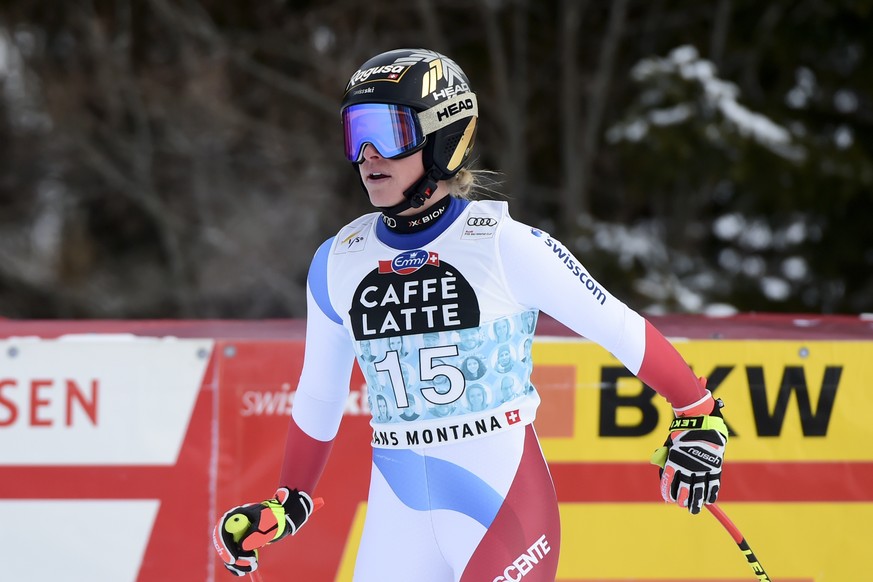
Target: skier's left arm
[{"x": 543, "y": 274}]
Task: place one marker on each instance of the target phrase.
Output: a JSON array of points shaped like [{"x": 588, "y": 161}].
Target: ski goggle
[{"x": 394, "y": 130}]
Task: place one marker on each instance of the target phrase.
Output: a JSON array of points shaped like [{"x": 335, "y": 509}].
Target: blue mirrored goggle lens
[{"x": 392, "y": 129}]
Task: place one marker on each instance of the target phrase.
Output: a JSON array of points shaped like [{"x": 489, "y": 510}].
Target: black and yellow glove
[
  {"x": 691, "y": 459},
  {"x": 242, "y": 530}
]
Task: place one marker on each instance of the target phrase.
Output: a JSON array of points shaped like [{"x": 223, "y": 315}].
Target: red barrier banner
[
  {"x": 119, "y": 451},
  {"x": 257, "y": 380}
]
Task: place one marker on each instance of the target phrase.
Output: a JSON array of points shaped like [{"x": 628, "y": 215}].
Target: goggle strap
[
  {"x": 449, "y": 111},
  {"x": 415, "y": 196}
]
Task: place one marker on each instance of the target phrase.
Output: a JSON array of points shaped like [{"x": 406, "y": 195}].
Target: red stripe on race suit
[
  {"x": 664, "y": 369},
  {"x": 304, "y": 459},
  {"x": 525, "y": 536}
]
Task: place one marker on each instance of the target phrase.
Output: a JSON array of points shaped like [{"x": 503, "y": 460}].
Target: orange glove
[
  {"x": 242, "y": 530},
  {"x": 691, "y": 459}
]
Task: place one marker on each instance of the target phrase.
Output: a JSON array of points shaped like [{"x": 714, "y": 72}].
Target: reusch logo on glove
[{"x": 703, "y": 455}]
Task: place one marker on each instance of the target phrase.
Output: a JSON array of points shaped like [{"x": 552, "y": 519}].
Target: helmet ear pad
[{"x": 448, "y": 148}]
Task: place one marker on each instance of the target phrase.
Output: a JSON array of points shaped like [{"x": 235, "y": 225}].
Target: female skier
[{"x": 458, "y": 493}]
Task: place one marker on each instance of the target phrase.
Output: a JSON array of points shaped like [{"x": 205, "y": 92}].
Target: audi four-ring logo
[{"x": 481, "y": 221}]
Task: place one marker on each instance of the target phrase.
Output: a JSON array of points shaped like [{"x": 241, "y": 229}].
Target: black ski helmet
[{"x": 436, "y": 88}]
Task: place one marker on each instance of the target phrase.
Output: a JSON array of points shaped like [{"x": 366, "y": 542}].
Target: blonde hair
[{"x": 469, "y": 184}]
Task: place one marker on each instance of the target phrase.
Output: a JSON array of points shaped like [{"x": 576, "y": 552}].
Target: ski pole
[{"x": 735, "y": 533}]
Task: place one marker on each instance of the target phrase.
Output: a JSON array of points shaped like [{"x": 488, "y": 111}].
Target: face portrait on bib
[
  {"x": 473, "y": 368},
  {"x": 410, "y": 413},
  {"x": 469, "y": 339},
  {"x": 382, "y": 412},
  {"x": 367, "y": 351},
  {"x": 508, "y": 388},
  {"x": 501, "y": 330},
  {"x": 505, "y": 361},
  {"x": 477, "y": 398}
]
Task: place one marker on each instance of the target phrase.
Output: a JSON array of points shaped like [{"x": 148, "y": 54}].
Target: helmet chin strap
[{"x": 416, "y": 195}]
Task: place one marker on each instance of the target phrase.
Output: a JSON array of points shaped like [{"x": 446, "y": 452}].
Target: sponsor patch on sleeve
[{"x": 479, "y": 227}]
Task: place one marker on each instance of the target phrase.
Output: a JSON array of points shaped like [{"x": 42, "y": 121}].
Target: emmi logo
[{"x": 769, "y": 412}]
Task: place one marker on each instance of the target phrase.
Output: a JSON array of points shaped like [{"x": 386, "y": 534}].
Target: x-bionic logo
[
  {"x": 428, "y": 218},
  {"x": 481, "y": 221}
]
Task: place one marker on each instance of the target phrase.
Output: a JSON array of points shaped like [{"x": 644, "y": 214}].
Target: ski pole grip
[{"x": 237, "y": 526}]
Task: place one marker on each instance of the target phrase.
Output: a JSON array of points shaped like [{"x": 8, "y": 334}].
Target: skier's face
[{"x": 386, "y": 179}]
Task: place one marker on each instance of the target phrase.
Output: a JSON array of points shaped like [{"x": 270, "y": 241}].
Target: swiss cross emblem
[{"x": 513, "y": 416}]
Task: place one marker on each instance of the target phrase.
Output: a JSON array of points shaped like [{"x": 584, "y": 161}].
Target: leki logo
[{"x": 409, "y": 262}]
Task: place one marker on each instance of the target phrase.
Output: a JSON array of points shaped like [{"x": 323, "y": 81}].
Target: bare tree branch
[
  {"x": 578, "y": 202},
  {"x": 510, "y": 94},
  {"x": 720, "y": 28},
  {"x": 202, "y": 29},
  {"x": 432, "y": 29},
  {"x": 570, "y": 17}
]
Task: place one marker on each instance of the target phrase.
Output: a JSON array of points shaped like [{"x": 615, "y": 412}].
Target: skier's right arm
[
  {"x": 321, "y": 395},
  {"x": 319, "y": 402}
]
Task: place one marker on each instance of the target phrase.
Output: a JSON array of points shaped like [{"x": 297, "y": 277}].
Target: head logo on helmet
[{"x": 436, "y": 88}]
